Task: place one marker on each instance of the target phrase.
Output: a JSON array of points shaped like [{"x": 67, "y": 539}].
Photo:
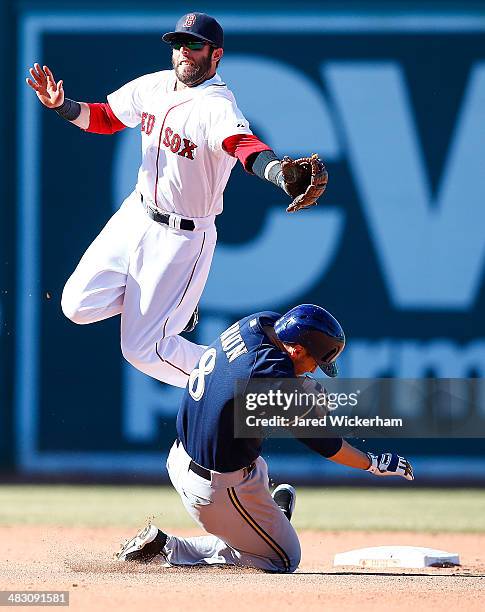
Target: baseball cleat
[
  {"x": 194, "y": 319},
  {"x": 144, "y": 547},
  {"x": 285, "y": 497}
]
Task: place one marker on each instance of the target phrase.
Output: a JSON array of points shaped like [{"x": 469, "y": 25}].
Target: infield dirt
[{"x": 79, "y": 560}]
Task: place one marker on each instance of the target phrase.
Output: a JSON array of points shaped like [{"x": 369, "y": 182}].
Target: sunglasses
[{"x": 193, "y": 45}]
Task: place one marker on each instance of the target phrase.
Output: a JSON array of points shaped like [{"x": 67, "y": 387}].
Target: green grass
[{"x": 425, "y": 510}]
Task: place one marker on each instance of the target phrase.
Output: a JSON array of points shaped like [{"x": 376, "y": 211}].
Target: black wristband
[
  {"x": 69, "y": 109},
  {"x": 274, "y": 174},
  {"x": 261, "y": 160}
]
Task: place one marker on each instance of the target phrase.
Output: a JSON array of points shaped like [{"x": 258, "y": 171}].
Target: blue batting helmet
[{"x": 315, "y": 329}]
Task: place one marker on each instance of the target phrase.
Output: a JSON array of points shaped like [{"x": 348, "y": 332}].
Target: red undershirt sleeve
[
  {"x": 243, "y": 146},
  {"x": 102, "y": 120}
]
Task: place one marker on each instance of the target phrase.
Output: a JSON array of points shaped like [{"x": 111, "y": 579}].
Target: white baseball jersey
[{"x": 184, "y": 169}]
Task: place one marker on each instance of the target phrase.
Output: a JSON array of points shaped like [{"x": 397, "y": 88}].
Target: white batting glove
[{"x": 390, "y": 464}]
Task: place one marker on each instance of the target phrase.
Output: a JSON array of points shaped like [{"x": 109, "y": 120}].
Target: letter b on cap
[{"x": 189, "y": 20}]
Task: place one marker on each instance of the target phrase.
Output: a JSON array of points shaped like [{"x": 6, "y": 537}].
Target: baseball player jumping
[
  {"x": 151, "y": 261},
  {"x": 222, "y": 480}
]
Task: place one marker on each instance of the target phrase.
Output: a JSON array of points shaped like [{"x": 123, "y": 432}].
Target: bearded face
[{"x": 192, "y": 67}]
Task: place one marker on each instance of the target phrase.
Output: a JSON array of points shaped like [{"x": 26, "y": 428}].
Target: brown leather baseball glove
[{"x": 305, "y": 180}]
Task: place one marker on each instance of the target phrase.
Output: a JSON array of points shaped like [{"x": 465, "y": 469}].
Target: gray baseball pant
[{"x": 246, "y": 526}]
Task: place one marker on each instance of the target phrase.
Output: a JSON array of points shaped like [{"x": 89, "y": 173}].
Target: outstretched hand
[{"x": 50, "y": 93}]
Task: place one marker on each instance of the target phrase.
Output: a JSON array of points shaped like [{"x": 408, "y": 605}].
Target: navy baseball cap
[{"x": 200, "y": 26}]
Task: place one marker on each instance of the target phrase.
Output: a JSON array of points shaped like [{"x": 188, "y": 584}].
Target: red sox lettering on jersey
[
  {"x": 173, "y": 141},
  {"x": 147, "y": 123}
]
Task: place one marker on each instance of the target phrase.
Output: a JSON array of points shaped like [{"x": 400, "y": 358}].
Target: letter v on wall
[{"x": 431, "y": 255}]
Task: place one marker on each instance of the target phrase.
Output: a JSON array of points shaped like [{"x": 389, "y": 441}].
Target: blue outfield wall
[
  {"x": 394, "y": 103},
  {"x": 7, "y": 240}
]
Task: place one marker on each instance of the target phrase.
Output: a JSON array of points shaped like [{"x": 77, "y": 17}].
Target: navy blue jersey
[{"x": 205, "y": 422}]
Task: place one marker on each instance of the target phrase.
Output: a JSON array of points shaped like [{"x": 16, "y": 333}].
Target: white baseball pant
[
  {"x": 246, "y": 526},
  {"x": 153, "y": 276}
]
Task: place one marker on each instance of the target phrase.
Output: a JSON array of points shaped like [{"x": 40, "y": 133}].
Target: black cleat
[
  {"x": 144, "y": 547},
  {"x": 285, "y": 497}
]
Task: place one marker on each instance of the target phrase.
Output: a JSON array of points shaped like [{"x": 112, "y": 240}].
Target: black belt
[
  {"x": 160, "y": 217},
  {"x": 206, "y": 474}
]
